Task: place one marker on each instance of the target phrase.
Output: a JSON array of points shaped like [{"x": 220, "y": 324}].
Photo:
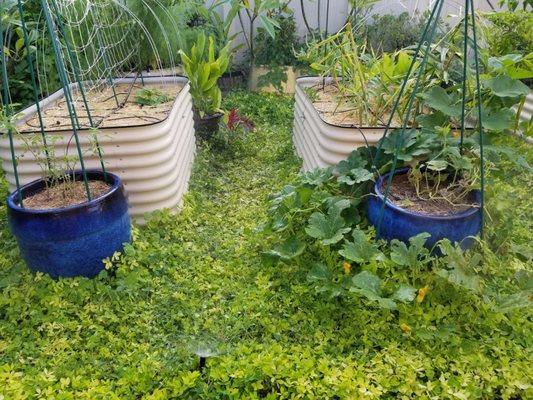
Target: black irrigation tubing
[
  {"x": 7, "y": 112},
  {"x": 143, "y": 117}
]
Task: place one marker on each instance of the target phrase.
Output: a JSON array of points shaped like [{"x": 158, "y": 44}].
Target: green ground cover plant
[{"x": 199, "y": 284}]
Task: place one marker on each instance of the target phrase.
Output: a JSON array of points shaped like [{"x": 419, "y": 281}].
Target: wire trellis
[
  {"x": 97, "y": 44},
  {"x": 423, "y": 50}
]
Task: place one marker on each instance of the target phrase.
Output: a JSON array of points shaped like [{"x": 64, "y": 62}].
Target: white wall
[{"x": 339, "y": 9}]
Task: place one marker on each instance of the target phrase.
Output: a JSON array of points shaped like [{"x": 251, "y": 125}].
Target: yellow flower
[
  {"x": 347, "y": 267},
  {"x": 422, "y": 293},
  {"x": 405, "y": 328},
  {"x": 456, "y": 133}
]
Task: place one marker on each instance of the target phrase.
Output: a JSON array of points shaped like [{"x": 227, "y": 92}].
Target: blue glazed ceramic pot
[
  {"x": 401, "y": 224},
  {"x": 71, "y": 241}
]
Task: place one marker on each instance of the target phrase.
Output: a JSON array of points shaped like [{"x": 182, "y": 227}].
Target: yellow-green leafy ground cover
[{"x": 196, "y": 284}]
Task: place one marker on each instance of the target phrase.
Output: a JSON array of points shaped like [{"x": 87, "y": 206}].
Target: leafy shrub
[
  {"x": 510, "y": 33},
  {"x": 278, "y": 51},
  {"x": 204, "y": 69},
  {"x": 388, "y": 33},
  {"x": 16, "y": 53}
]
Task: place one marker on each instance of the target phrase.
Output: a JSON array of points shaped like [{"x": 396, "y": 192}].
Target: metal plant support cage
[
  {"x": 424, "y": 47},
  {"x": 107, "y": 62}
]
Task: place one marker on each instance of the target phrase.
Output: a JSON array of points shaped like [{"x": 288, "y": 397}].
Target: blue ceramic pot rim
[
  {"x": 464, "y": 214},
  {"x": 92, "y": 174}
]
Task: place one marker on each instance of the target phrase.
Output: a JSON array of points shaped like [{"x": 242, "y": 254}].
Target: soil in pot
[
  {"x": 403, "y": 194},
  {"x": 65, "y": 194}
]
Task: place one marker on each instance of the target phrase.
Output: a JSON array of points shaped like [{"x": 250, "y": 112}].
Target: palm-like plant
[{"x": 204, "y": 67}]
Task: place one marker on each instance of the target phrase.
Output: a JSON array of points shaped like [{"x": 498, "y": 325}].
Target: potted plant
[
  {"x": 435, "y": 190},
  {"x": 275, "y": 62},
  {"x": 438, "y": 190},
  {"x": 74, "y": 237},
  {"x": 262, "y": 11},
  {"x": 69, "y": 221},
  {"x": 204, "y": 67}
]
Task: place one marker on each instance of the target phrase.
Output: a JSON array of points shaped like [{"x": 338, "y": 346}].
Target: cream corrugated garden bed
[
  {"x": 319, "y": 143},
  {"x": 154, "y": 158}
]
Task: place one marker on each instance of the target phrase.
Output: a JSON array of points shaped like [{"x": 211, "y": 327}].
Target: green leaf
[
  {"x": 329, "y": 229},
  {"x": 288, "y": 250},
  {"x": 316, "y": 177},
  {"x": 408, "y": 144},
  {"x": 514, "y": 301},
  {"x": 319, "y": 272},
  {"x": 361, "y": 250},
  {"x": 409, "y": 256},
  {"x": 439, "y": 100},
  {"x": 405, "y": 293},
  {"x": 437, "y": 165},
  {"x": 355, "y": 176},
  {"x": 367, "y": 283},
  {"x": 432, "y": 120},
  {"x": 270, "y": 25},
  {"x": 504, "y": 86},
  {"x": 459, "y": 270},
  {"x": 354, "y": 160},
  {"x": 497, "y": 120}
]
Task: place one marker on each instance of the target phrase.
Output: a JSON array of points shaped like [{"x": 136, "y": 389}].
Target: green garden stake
[
  {"x": 66, "y": 89},
  {"x": 404, "y": 84},
  {"x": 478, "y": 90},
  {"x": 465, "y": 64},
  {"x": 7, "y": 111},
  {"x": 33, "y": 81},
  {"x": 430, "y": 27},
  {"x": 409, "y": 109},
  {"x": 81, "y": 88}
]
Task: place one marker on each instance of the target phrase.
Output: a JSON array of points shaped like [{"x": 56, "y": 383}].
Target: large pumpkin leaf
[
  {"x": 354, "y": 160},
  {"x": 355, "y": 176},
  {"x": 287, "y": 250},
  {"x": 317, "y": 176},
  {"x": 361, "y": 250},
  {"x": 406, "y": 256},
  {"x": 504, "y": 86},
  {"x": 330, "y": 228},
  {"x": 368, "y": 285},
  {"x": 497, "y": 120},
  {"x": 439, "y": 100},
  {"x": 405, "y": 293},
  {"x": 322, "y": 277}
]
